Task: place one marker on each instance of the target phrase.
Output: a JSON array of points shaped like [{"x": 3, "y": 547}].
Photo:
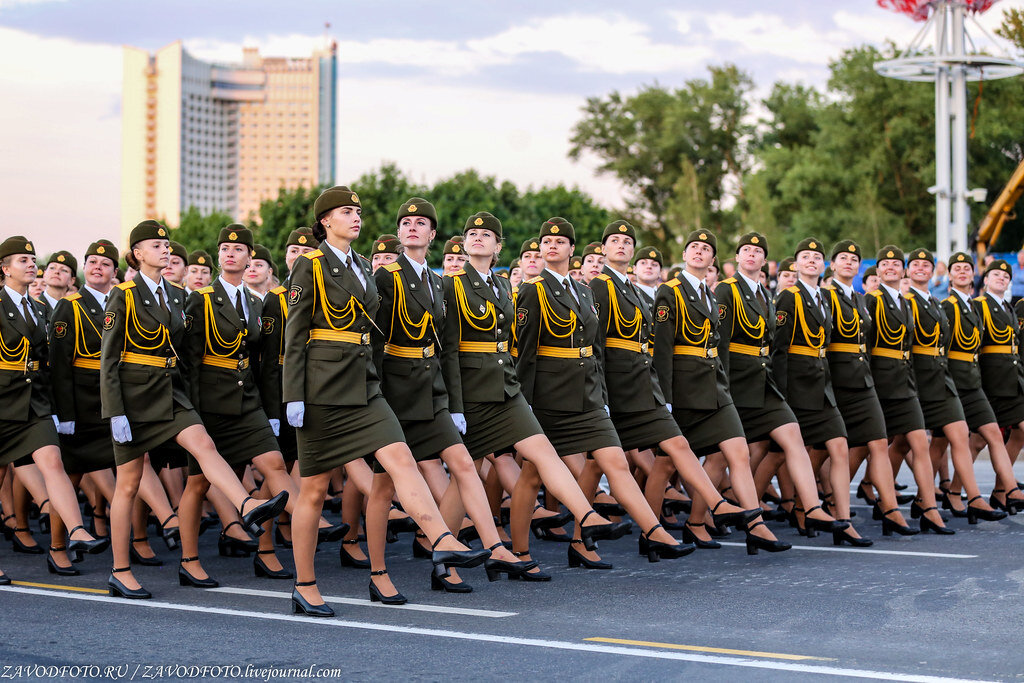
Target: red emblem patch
[
  {"x": 293, "y": 295},
  {"x": 780, "y": 318},
  {"x": 60, "y": 329},
  {"x": 521, "y": 315},
  {"x": 108, "y": 320},
  {"x": 268, "y": 325}
]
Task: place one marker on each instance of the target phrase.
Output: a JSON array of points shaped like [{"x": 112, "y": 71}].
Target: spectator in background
[
  {"x": 1017, "y": 283},
  {"x": 979, "y": 282},
  {"x": 938, "y": 286},
  {"x": 870, "y": 280},
  {"x": 728, "y": 270}
]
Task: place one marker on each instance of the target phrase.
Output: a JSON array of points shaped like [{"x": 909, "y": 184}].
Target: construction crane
[{"x": 1000, "y": 211}]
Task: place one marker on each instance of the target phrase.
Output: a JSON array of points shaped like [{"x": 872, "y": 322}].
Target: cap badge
[
  {"x": 302, "y": 239},
  {"x": 478, "y": 221},
  {"x": 232, "y": 236},
  {"x": 60, "y": 258},
  {"x": 623, "y": 228},
  {"x": 597, "y": 250},
  {"x": 28, "y": 246},
  {"x": 456, "y": 249},
  {"x": 554, "y": 229},
  {"x": 890, "y": 254},
  {"x": 703, "y": 236},
  {"x": 533, "y": 246},
  {"x": 852, "y": 248},
  {"x": 412, "y": 208},
  {"x": 161, "y": 232},
  {"x": 813, "y": 245},
  {"x": 100, "y": 250},
  {"x": 355, "y": 197},
  {"x": 960, "y": 257},
  {"x": 201, "y": 260},
  {"x": 754, "y": 240},
  {"x": 381, "y": 247}
]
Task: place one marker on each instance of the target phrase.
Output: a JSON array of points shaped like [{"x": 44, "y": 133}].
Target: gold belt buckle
[
  {"x": 428, "y": 351},
  {"x": 906, "y": 355},
  {"x": 243, "y": 364},
  {"x": 763, "y": 351},
  {"x": 364, "y": 339},
  {"x": 1013, "y": 349},
  {"x": 169, "y": 362},
  {"x": 863, "y": 348},
  {"x": 643, "y": 347},
  {"x": 711, "y": 352},
  {"x": 502, "y": 346},
  {"x": 584, "y": 352}
]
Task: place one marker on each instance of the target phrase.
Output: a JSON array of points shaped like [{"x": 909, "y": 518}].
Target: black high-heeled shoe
[
  {"x": 329, "y": 534},
  {"x": 468, "y": 534},
  {"x": 54, "y": 568},
  {"x": 456, "y": 558},
  {"x": 722, "y": 492},
  {"x": 609, "y": 509},
  {"x": 576, "y": 559},
  {"x": 551, "y": 535},
  {"x": 333, "y": 502},
  {"x": 826, "y": 525},
  {"x": 738, "y": 519},
  {"x": 346, "y": 558},
  {"x": 674, "y": 506},
  {"x": 550, "y": 522},
  {"x": 418, "y": 551},
  {"x": 1009, "y": 506},
  {"x": 260, "y": 568},
  {"x": 377, "y": 596},
  {"x": 904, "y": 498},
  {"x": 93, "y": 516},
  {"x": 402, "y": 525},
  {"x": 929, "y": 525},
  {"x": 889, "y": 526},
  {"x": 7, "y": 531},
  {"x": 4, "y": 579},
  {"x": 901, "y": 487},
  {"x": 279, "y": 538},
  {"x": 137, "y": 558},
  {"x": 974, "y": 514},
  {"x": 947, "y": 504},
  {"x": 207, "y": 522},
  {"x": 800, "y": 527},
  {"x": 770, "y": 498},
  {"x": 755, "y": 543},
  {"x": 229, "y": 546},
  {"x": 96, "y": 545},
  {"x": 529, "y": 576},
  {"x": 916, "y": 511},
  {"x": 690, "y": 537},
  {"x": 864, "y": 493},
  {"x": 185, "y": 577},
  {"x": 20, "y": 547},
  {"x": 590, "y": 535},
  {"x": 717, "y": 532},
  {"x": 843, "y": 536},
  {"x": 119, "y": 590},
  {"x": 439, "y": 582},
  {"x": 44, "y": 518},
  {"x": 495, "y": 568},
  {"x": 172, "y": 537},
  {"x": 1016, "y": 504},
  {"x": 671, "y": 526},
  {"x": 656, "y": 550},
  {"x": 253, "y": 520},
  {"x": 301, "y": 604}
]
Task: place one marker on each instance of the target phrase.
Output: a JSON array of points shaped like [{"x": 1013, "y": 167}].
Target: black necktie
[
  {"x": 160, "y": 300},
  {"x": 355, "y": 273},
  {"x": 762, "y": 299},
  {"x": 490, "y": 283},
  {"x": 704, "y": 295},
  {"x": 426, "y": 284},
  {"x": 238, "y": 305},
  {"x": 1009, "y": 309},
  {"x": 29, "y": 318},
  {"x": 568, "y": 287}
]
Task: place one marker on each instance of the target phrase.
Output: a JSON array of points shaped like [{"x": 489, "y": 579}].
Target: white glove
[
  {"x": 668, "y": 407},
  {"x": 66, "y": 428},
  {"x": 296, "y": 411},
  {"x": 607, "y": 411},
  {"x": 120, "y": 429},
  {"x": 460, "y": 422},
  {"x": 275, "y": 424},
  {"x": 56, "y": 422}
]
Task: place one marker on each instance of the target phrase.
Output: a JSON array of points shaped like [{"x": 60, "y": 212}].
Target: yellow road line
[
  {"x": 77, "y": 589},
  {"x": 701, "y": 648}
]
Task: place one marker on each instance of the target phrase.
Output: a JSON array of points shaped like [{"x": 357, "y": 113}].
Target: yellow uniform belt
[
  {"x": 748, "y": 350},
  {"x": 890, "y": 353},
  {"x": 813, "y": 351},
  {"x": 695, "y": 351},
  {"x": 483, "y": 347},
  {"x": 838, "y": 347},
  {"x": 339, "y": 336},
  {"x": 226, "y": 363},
  {"x": 87, "y": 363},
  {"x": 559, "y": 352},
  {"x": 927, "y": 350},
  {"x": 146, "y": 359},
  {"x": 409, "y": 351},
  {"x": 626, "y": 345},
  {"x": 999, "y": 349},
  {"x": 27, "y": 366},
  {"x": 961, "y": 356}
]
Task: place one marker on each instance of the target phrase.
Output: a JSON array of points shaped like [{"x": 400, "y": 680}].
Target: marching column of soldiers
[{"x": 199, "y": 388}]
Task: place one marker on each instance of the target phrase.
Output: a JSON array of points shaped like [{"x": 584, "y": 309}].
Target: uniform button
[
  {"x": 499, "y": 331},
  {"x": 501, "y": 361},
  {"x": 167, "y": 374},
  {"x": 763, "y": 365},
  {"x": 426, "y": 366},
  {"x": 501, "y": 316},
  {"x": 28, "y": 380},
  {"x": 240, "y": 383},
  {"x": 361, "y": 354},
  {"x": 581, "y": 364},
  {"x": 645, "y": 362}
]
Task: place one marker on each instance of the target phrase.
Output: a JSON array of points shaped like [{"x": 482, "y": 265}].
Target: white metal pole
[
  {"x": 942, "y": 140},
  {"x": 961, "y": 213}
]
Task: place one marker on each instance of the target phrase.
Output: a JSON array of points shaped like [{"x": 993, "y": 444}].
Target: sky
[{"x": 436, "y": 87}]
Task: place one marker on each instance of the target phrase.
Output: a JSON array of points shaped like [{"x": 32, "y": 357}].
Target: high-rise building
[{"x": 222, "y": 137}]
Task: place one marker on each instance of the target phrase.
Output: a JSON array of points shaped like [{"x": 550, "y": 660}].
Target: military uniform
[
  {"x": 25, "y": 398},
  {"x": 1002, "y": 374},
  {"x": 275, "y": 316},
  {"x": 559, "y": 366},
  {"x": 692, "y": 377},
  {"x": 328, "y": 360},
  {"x": 223, "y": 357}
]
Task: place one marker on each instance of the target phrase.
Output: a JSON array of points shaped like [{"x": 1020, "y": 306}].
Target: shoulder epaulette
[
  {"x": 876, "y": 293},
  {"x": 534, "y": 280},
  {"x": 979, "y": 298},
  {"x": 205, "y": 290},
  {"x": 728, "y": 281},
  {"x": 126, "y": 285},
  {"x": 515, "y": 290},
  {"x": 313, "y": 254},
  {"x": 73, "y": 297},
  {"x": 460, "y": 271},
  {"x": 604, "y": 276},
  {"x": 674, "y": 282},
  {"x": 392, "y": 267},
  {"x": 176, "y": 284},
  {"x": 951, "y": 298},
  {"x": 792, "y": 290},
  {"x": 279, "y": 290}
]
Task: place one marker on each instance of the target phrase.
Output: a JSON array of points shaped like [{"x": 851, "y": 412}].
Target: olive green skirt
[
  {"x": 706, "y": 429},
  {"x": 902, "y": 415},
  {"x": 495, "y": 427},
  {"x": 571, "y": 432},
  {"x": 862, "y": 415},
  {"x": 238, "y": 438},
  {"x": 286, "y": 440},
  {"x": 938, "y": 414},
  {"x": 148, "y": 436},
  {"x": 646, "y": 429},
  {"x": 820, "y": 426},
  {"x": 89, "y": 449},
  {"x": 427, "y": 438},
  {"x": 332, "y": 436},
  {"x": 758, "y": 423},
  {"x": 20, "y": 440},
  {"x": 977, "y": 410},
  {"x": 1009, "y": 410},
  {"x": 168, "y": 454}
]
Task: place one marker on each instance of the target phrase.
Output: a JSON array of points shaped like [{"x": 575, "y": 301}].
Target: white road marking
[
  {"x": 745, "y": 662},
  {"x": 464, "y": 611},
  {"x": 867, "y": 551}
]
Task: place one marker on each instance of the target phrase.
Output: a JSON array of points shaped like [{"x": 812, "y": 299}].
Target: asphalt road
[{"x": 919, "y": 608}]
